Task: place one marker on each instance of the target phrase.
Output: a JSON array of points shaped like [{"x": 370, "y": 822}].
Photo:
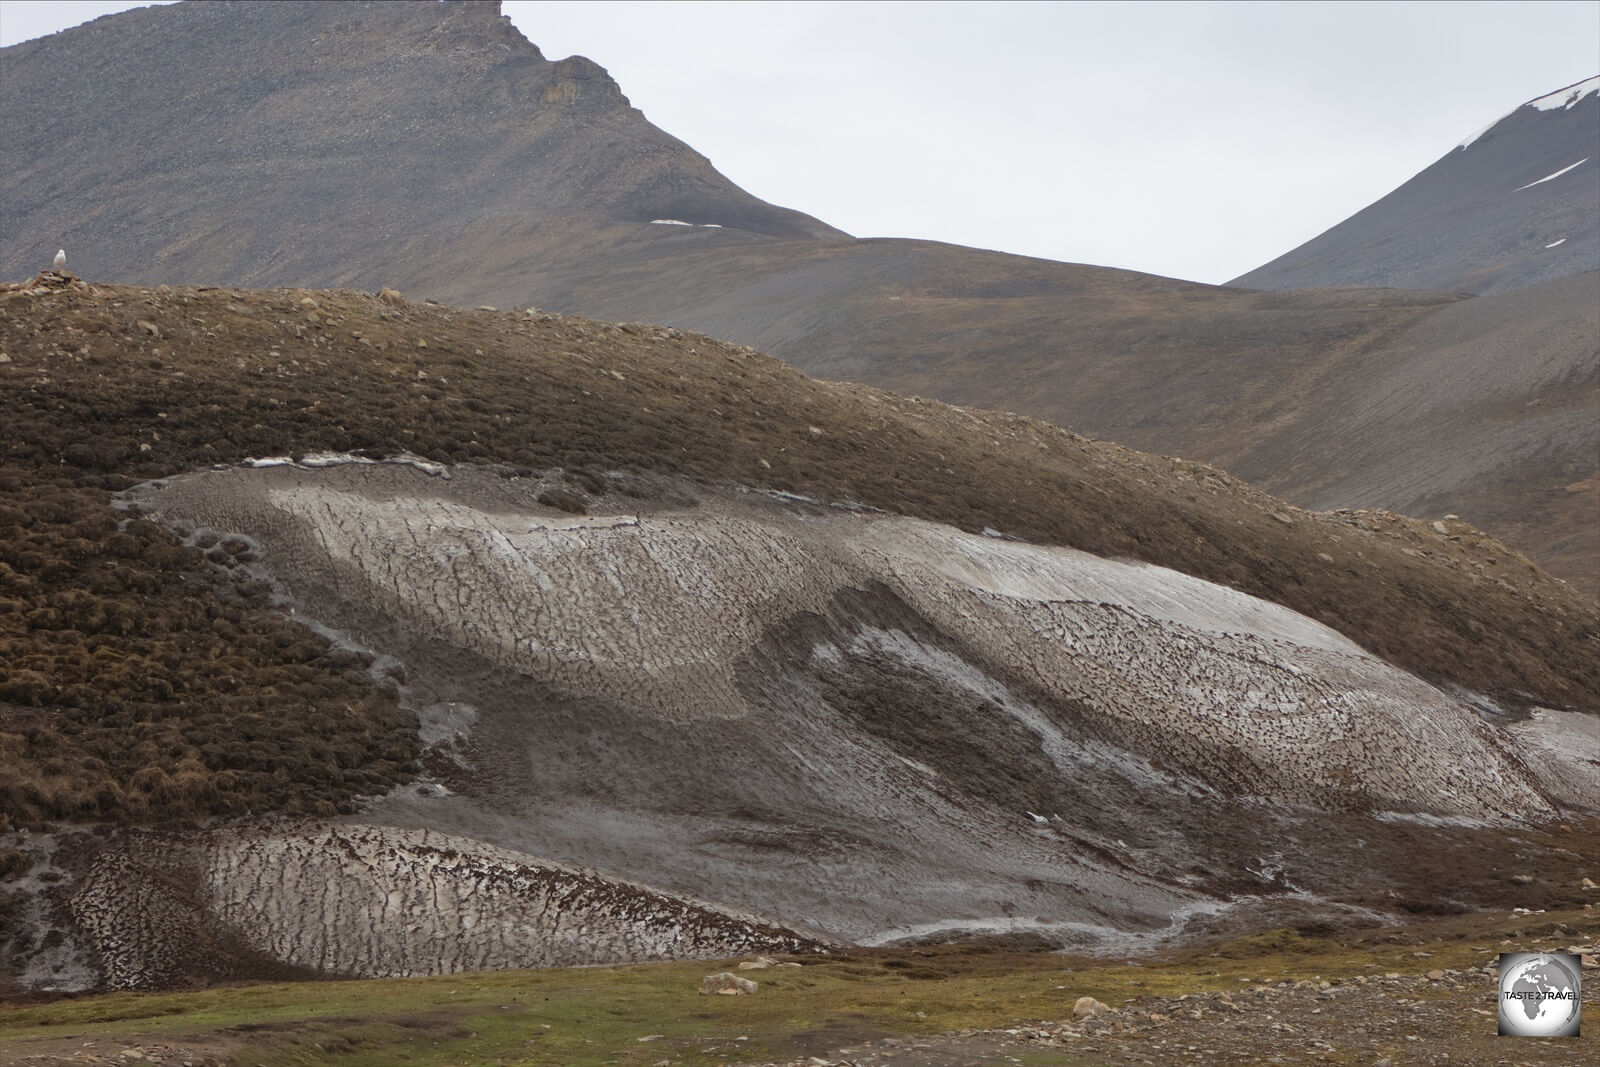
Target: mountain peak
[
  {"x": 255, "y": 116},
  {"x": 579, "y": 76},
  {"x": 1563, "y": 99},
  {"x": 1509, "y": 207}
]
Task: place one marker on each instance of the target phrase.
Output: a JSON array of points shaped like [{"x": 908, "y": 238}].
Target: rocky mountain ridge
[{"x": 1515, "y": 204}]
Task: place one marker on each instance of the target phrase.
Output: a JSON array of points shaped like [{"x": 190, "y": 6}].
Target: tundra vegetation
[
  {"x": 145, "y": 679},
  {"x": 980, "y": 1002}
]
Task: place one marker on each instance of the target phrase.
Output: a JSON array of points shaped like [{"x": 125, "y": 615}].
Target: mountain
[
  {"x": 430, "y": 147},
  {"x": 424, "y": 638},
  {"x": 154, "y": 126},
  {"x": 1514, "y": 204}
]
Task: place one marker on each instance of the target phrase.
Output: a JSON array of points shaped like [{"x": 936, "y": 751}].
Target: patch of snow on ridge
[
  {"x": 1557, "y": 241},
  {"x": 330, "y": 459},
  {"x": 680, "y": 222},
  {"x": 1551, "y": 177},
  {"x": 317, "y": 460},
  {"x": 1561, "y": 98},
  {"x": 1568, "y": 97}
]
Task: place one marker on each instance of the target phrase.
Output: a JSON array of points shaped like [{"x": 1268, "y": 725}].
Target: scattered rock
[
  {"x": 726, "y": 984},
  {"x": 1439, "y": 527},
  {"x": 757, "y": 964}
]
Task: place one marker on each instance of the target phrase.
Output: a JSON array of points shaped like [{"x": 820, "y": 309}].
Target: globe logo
[{"x": 1540, "y": 994}]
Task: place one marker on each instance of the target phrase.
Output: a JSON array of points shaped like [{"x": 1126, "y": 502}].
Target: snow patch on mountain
[
  {"x": 1568, "y": 97},
  {"x": 1552, "y": 177},
  {"x": 680, "y": 222},
  {"x": 1561, "y": 99}
]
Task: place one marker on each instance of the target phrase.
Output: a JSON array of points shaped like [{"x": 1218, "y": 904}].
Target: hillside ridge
[
  {"x": 851, "y": 612},
  {"x": 432, "y": 148}
]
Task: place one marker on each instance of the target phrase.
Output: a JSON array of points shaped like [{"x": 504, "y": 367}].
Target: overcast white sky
[{"x": 1196, "y": 140}]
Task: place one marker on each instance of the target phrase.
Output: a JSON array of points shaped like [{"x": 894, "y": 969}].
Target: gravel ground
[{"x": 1433, "y": 1017}]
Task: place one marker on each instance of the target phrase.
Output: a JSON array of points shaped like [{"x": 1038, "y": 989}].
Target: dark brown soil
[{"x": 142, "y": 677}]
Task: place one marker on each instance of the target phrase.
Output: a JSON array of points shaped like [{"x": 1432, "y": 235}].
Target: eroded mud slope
[
  {"x": 376, "y": 902},
  {"x": 871, "y": 725}
]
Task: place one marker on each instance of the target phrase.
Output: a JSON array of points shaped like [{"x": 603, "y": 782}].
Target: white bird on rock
[{"x": 61, "y": 258}]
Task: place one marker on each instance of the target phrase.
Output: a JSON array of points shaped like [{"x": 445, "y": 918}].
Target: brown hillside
[
  {"x": 109, "y": 385},
  {"x": 431, "y": 147},
  {"x": 1426, "y": 402}
]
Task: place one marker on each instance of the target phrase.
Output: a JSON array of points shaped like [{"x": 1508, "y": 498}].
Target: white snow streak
[
  {"x": 1557, "y": 241},
  {"x": 1549, "y": 177}
]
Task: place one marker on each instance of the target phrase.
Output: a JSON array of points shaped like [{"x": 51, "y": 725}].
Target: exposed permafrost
[
  {"x": 655, "y": 610},
  {"x": 378, "y": 902}
]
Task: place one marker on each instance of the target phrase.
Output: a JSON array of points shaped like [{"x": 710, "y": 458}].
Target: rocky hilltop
[{"x": 622, "y": 636}]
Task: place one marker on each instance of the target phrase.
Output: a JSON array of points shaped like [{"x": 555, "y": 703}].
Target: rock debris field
[{"x": 1434, "y": 1017}]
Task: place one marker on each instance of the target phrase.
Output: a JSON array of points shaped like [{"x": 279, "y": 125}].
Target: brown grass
[{"x": 142, "y": 677}]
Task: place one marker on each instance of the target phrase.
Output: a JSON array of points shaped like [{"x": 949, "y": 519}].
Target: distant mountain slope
[
  {"x": 430, "y": 147},
  {"x": 1515, "y": 204},
  {"x": 312, "y": 142},
  {"x": 1257, "y": 382},
  {"x": 1488, "y": 407}
]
